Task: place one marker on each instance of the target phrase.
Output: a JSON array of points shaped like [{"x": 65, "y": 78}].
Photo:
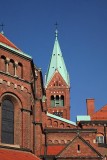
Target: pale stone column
[
  {"x": 15, "y": 69},
  {"x": 7, "y": 64},
  {"x": 59, "y": 100}
]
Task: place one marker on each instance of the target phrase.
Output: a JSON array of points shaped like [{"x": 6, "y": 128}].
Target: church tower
[{"x": 57, "y": 84}]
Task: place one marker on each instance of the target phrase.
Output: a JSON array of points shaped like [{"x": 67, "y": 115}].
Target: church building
[{"x": 35, "y": 115}]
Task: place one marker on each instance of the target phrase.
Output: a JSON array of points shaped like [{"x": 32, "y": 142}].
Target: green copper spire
[{"x": 57, "y": 63}]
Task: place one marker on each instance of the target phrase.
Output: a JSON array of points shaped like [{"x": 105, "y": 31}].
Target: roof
[
  {"x": 57, "y": 63},
  {"x": 101, "y": 114},
  {"x": 10, "y": 154},
  {"x": 83, "y": 118},
  {"x": 4, "y": 40},
  {"x": 6, "y": 43},
  {"x": 62, "y": 119},
  {"x": 96, "y": 122},
  {"x": 52, "y": 150}
]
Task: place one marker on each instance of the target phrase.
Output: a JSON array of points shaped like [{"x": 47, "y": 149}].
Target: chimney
[{"x": 90, "y": 106}]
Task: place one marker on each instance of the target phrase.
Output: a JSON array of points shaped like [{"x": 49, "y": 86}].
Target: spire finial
[
  {"x": 56, "y": 31},
  {"x": 2, "y": 25}
]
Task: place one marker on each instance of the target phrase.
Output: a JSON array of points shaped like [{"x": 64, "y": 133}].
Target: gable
[
  {"x": 4, "y": 40},
  {"x": 78, "y": 147},
  {"x": 8, "y": 45},
  {"x": 100, "y": 114},
  {"x": 57, "y": 80}
]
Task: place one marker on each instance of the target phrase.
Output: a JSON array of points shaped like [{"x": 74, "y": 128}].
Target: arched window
[
  {"x": 61, "y": 125},
  {"x": 55, "y": 124},
  {"x": 7, "y": 122},
  {"x": 100, "y": 138},
  {"x": 60, "y": 114},
  {"x": 52, "y": 101},
  {"x": 62, "y": 142},
  {"x": 57, "y": 101},
  {"x": 56, "y": 141},
  {"x": 11, "y": 67},
  {"x": 49, "y": 141},
  {"x": 49, "y": 122},
  {"x": 56, "y": 83},
  {"x": 20, "y": 70},
  {"x": 62, "y": 100},
  {"x": 3, "y": 63},
  {"x": 78, "y": 148}
]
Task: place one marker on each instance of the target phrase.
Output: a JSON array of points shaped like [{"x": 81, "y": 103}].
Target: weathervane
[{"x": 2, "y": 26}]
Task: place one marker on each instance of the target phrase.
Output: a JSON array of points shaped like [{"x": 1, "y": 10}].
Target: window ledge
[
  {"x": 102, "y": 145},
  {"x": 9, "y": 145}
]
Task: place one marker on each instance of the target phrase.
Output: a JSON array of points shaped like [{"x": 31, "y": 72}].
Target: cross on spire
[
  {"x": 56, "y": 31},
  {"x": 2, "y": 26},
  {"x": 56, "y": 24}
]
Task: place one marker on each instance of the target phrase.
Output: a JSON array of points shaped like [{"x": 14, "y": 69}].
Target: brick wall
[
  {"x": 58, "y": 87},
  {"x": 15, "y": 85}
]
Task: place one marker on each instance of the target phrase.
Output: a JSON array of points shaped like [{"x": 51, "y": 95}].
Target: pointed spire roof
[{"x": 57, "y": 63}]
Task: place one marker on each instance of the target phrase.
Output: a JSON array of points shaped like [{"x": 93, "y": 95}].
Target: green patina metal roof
[
  {"x": 83, "y": 118},
  {"x": 15, "y": 50},
  {"x": 57, "y": 63},
  {"x": 61, "y": 119}
]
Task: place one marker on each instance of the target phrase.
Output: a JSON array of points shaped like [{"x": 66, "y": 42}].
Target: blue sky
[{"x": 82, "y": 26}]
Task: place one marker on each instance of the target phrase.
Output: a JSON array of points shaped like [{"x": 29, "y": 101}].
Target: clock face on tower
[{"x": 60, "y": 114}]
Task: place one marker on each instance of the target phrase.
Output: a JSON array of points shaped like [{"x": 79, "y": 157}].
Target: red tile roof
[
  {"x": 4, "y": 40},
  {"x": 9, "y": 154},
  {"x": 53, "y": 150}
]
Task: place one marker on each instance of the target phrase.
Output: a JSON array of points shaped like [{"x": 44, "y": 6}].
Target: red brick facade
[
  {"x": 36, "y": 130},
  {"x": 57, "y": 86}
]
